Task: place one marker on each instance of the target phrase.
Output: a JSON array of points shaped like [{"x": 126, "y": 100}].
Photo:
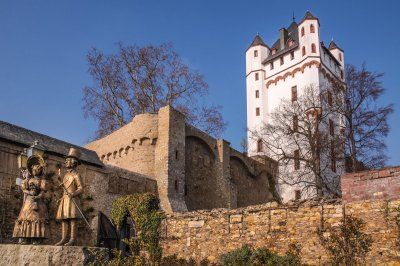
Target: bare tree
[
  {"x": 366, "y": 121},
  {"x": 137, "y": 79},
  {"x": 299, "y": 136}
]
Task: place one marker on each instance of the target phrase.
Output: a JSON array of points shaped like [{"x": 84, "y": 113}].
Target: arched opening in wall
[
  {"x": 302, "y": 31},
  {"x": 128, "y": 230},
  {"x": 313, "y": 48},
  {"x": 201, "y": 180},
  {"x": 244, "y": 181},
  {"x": 303, "y": 51},
  {"x": 312, "y": 28}
]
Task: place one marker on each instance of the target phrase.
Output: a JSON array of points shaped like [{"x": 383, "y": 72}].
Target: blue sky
[{"x": 43, "y": 45}]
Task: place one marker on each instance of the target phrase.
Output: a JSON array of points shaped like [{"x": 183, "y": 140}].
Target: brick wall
[
  {"x": 208, "y": 234},
  {"x": 376, "y": 184}
]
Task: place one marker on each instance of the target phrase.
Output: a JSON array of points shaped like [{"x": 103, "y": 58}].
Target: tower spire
[{"x": 293, "y": 18}]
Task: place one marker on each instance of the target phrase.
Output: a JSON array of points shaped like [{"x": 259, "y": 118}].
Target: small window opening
[{"x": 294, "y": 93}]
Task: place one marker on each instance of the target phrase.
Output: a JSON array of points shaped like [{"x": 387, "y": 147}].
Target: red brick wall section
[{"x": 375, "y": 184}]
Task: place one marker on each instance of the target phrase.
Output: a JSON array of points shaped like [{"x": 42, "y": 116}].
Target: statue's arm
[
  {"x": 79, "y": 187},
  {"x": 24, "y": 188}
]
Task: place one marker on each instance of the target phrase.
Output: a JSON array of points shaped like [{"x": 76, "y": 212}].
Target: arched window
[
  {"x": 302, "y": 31},
  {"x": 313, "y": 48},
  {"x": 259, "y": 145},
  {"x": 312, "y": 28},
  {"x": 303, "y": 51}
]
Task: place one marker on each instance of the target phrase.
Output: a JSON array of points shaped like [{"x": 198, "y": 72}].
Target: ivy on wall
[{"x": 144, "y": 209}]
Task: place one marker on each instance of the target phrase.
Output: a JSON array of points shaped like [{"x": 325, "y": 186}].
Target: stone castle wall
[
  {"x": 372, "y": 196},
  {"x": 193, "y": 170},
  {"x": 208, "y": 234}
]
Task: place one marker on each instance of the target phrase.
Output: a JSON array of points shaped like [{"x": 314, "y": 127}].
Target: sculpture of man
[{"x": 68, "y": 209}]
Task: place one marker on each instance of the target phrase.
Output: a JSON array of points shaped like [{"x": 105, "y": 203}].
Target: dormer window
[
  {"x": 302, "y": 31},
  {"x": 313, "y": 48},
  {"x": 281, "y": 59},
  {"x": 312, "y": 28},
  {"x": 273, "y": 51},
  {"x": 290, "y": 42},
  {"x": 255, "y": 53}
]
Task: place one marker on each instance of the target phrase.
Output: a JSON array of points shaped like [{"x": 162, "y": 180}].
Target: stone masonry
[
  {"x": 372, "y": 196},
  {"x": 193, "y": 170},
  {"x": 376, "y": 184},
  {"x": 208, "y": 234}
]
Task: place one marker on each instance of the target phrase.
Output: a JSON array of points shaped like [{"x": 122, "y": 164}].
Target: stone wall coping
[
  {"x": 385, "y": 172},
  {"x": 196, "y": 215}
]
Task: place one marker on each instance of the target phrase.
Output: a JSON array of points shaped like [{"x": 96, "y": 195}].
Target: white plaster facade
[{"x": 266, "y": 86}]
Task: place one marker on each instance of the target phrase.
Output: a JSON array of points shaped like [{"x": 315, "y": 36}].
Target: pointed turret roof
[
  {"x": 308, "y": 15},
  {"x": 333, "y": 45},
  {"x": 258, "y": 41}
]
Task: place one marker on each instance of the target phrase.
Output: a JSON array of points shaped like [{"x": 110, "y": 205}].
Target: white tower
[{"x": 298, "y": 59}]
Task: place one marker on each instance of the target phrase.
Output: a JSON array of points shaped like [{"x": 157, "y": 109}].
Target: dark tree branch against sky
[
  {"x": 142, "y": 79},
  {"x": 44, "y": 44}
]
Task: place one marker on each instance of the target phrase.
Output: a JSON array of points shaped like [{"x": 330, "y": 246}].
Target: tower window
[
  {"x": 291, "y": 55},
  {"x": 257, "y": 111},
  {"x": 255, "y": 53},
  {"x": 313, "y": 48},
  {"x": 331, "y": 127},
  {"x": 257, "y": 94},
  {"x": 297, "y": 194},
  {"x": 294, "y": 93},
  {"x": 281, "y": 59},
  {"x": 303, "y": 51},
  {"x": 312, "y": 28},
  {"x": 340, "y": 57},
  {"x": 271, "y": 65},
  {"x": 296, "y": 160},
  {"x": 259, "y": 145},
  {"x": 295, "y": 123},
  {"x": 176, "y": 185},
  {"x": 302, "y": 31},
  {"x": 273, "y": 51},
  {"x": 256, "y": 76},
  {"x": 330, "y": 100},
  {"x": 333, "y": 157}
]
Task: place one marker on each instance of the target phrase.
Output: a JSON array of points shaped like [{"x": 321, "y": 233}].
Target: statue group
[{"x": 32, "y": 225}]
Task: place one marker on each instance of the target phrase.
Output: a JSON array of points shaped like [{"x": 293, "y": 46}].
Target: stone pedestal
[{"x": 42, "y": 255}]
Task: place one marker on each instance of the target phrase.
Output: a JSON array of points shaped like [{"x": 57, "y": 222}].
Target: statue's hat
[
  {"x": 35, "y": 160},
  {"x": 74, "y": 153}
]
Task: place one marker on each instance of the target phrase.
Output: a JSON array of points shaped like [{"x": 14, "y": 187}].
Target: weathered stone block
[{"x": 41, "y": 255}]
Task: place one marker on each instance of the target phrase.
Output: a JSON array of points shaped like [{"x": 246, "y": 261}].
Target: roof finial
[
  {"x": 258, "y": 34},
  {"x": 293, "y": 18}
]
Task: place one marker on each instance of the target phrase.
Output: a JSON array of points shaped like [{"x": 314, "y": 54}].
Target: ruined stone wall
[
  {"x": 229, "y": 178},
  {"x": 376, "y": 184},
  {"x": 208, "y": 234},
  {"x": 193, "y": 170}
]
